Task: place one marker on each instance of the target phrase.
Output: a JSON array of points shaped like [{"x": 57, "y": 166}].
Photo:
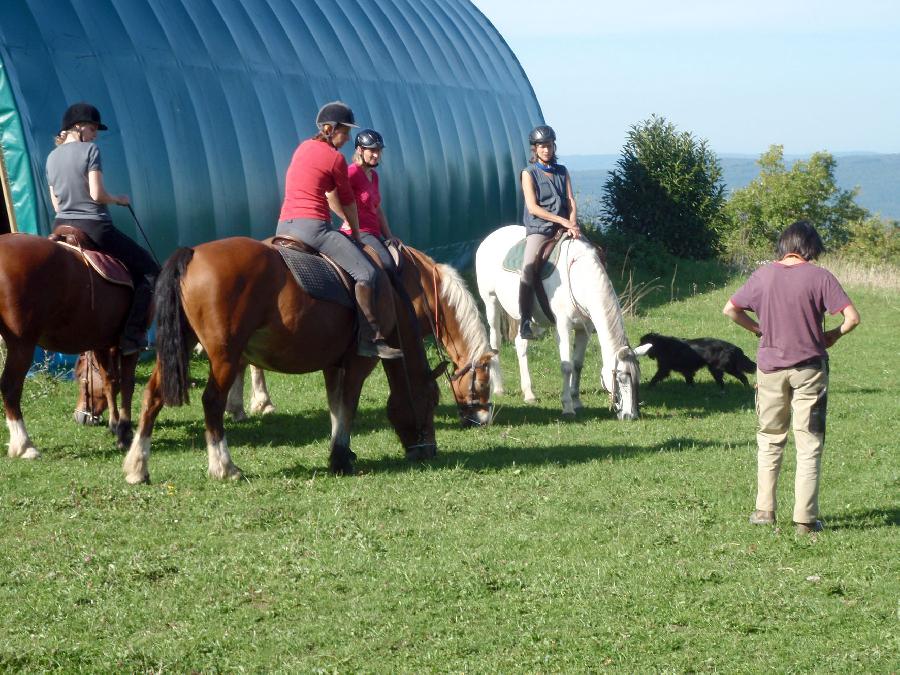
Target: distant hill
[{"x": 877, "y": 175}]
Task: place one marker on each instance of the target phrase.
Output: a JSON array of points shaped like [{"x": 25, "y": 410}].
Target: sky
[{"x": 808, "y": 75}]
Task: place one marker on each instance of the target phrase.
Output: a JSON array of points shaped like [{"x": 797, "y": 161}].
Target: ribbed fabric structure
[{"x": 206, "y": 101}]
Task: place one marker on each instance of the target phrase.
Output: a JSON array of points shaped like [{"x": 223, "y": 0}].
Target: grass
[{"x": 533, "y": 545}]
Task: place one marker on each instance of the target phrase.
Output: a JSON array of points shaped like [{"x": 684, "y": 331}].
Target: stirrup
[{"x": 378, "y": 348}]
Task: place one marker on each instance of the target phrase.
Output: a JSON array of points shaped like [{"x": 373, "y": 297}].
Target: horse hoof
[
  {"x": 234, "y": 473},
  {"x": 422, "y": 453},
  {"x": 30, "y": 453},
  {"x": 237, "y": 415},
  {"x": 265, "y": 408},
  {"x": 531, "y": 399},
  {"x": 568, "y": 415},
  {"x": 137, "y": 479}
]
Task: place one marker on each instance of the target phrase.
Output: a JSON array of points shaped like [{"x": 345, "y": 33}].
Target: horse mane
[
  {"x": 612, "y": 310},
  {"x": 458, "y": 298}
]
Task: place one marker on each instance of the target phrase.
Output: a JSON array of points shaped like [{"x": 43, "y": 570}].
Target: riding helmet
[
  {"x": 81, "y": 112},
  {"x": 369, "y": 138},
  {"x": 542, "y": 134},
  {"x": 335, "y": 113}
]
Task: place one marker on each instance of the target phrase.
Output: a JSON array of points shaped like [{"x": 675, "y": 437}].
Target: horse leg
[
  {"x": 222, "y": 372},
  {"x": 581, "y": 342},
  {"x": 234, "y": 405},
  {"x": 110, "y": 378},
  {"x": 494, "y": 313},
  {"x": 260, "y": 402},
  {"x": 124, "y": 433},
  {"x": 524, "y": 375},
  {"x": 565, "y": 367},
  {"x": 18, "y": 361},
  {"x": 136, "y": 460},
  {"x": 342, "y": 411}
]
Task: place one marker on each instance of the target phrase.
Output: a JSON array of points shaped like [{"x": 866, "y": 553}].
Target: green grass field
[{"x": 533, "y": 545}]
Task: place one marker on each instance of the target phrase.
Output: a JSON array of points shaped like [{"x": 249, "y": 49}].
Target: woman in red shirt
[{"x": 316, "y": 169}]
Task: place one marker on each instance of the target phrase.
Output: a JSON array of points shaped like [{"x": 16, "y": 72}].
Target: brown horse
[
  {"x": 50, "y": 297},
  {"x": 238, "y": 299},
  {"x": 445, "y": 310}
]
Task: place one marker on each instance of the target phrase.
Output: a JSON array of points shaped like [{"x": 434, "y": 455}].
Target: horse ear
[
  {"x": 643, "y": 349},
  {"x": 440, "y": 369}
]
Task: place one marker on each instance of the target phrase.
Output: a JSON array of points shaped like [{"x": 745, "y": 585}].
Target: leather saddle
[{"x": 108, "y": 267}]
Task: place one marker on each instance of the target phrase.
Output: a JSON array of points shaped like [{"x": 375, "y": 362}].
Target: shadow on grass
[
  {"x": 869, "y": 519},
  {"x": 700, "y": 398}
]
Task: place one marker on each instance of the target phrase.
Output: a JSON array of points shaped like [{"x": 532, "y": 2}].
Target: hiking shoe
[
  {"x": 378, "y": 348},
  {"x": 809, "y": 528},
  {"x": 762, "y": 517},
  {"x": 525, "y": 330}
]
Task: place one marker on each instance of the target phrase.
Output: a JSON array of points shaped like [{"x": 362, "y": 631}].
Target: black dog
[{"x": 689, "y": 356}]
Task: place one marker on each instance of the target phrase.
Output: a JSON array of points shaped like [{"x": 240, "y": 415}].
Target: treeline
[{"x": 666, "y": 197}]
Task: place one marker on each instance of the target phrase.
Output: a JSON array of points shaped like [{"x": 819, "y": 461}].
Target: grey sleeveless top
[{"x": 550, "y": 194}]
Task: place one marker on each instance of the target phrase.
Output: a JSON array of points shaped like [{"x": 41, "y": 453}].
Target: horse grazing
[
  {"x": 446, "y": 310},
  {"x": 582, "y": 298},
  {"x": 50, "y": 297},
  {"x": 238, "y": 299}
]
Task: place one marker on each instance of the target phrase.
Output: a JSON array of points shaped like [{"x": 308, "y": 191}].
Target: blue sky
[{"x": 810, "y": 75}]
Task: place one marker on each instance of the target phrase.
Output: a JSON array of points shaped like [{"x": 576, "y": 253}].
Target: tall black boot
[
  {"x": 371, "y": 339},
  {"x": 134, "y": 335},
  {"x": 526, "y": 303}
]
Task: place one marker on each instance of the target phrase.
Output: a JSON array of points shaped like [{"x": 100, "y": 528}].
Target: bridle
[
  {"x": 616, "y": 402},
  {"x": 87, "y": 391},
  {"x": 467, "y": 410}
]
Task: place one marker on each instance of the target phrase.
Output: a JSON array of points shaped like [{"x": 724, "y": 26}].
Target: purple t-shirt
[{"x": 790, "y": 302}]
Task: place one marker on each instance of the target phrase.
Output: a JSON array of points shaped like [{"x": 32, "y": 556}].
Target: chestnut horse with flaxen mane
[{"x": 238, "y": 299}]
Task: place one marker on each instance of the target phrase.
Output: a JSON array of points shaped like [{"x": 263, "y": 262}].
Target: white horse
[{"x": 583, "y": 299}]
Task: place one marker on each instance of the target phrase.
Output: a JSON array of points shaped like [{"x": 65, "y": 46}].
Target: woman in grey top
[
  {"x": 549, "y": 205},
  {"x": 75, "y": 177}
]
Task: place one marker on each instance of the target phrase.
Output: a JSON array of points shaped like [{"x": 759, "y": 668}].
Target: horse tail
[{"x": 174, "y": 335}]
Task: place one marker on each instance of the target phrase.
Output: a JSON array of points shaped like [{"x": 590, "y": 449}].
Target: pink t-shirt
[
  {"x": 316, "y": 168},
  {"x": 368, "y": 199},
  {"x": 790, "y": 302}
]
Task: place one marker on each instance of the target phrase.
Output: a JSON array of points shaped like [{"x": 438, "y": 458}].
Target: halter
[
  {"x": 87, "y": 390},
  {"x": 466, "y": 409}
]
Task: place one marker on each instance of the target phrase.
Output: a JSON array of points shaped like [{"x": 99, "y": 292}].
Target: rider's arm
[
  {"x": 352, "y": 218},
  {"x": 528, "y": 191},
  {"x": 573, "y": 208},
  {"x": 99, "y": 193},
  {"x": 335, "y": 205},
  {"x": 54, "y": 200},
  {"x": 385, "y": 228}
]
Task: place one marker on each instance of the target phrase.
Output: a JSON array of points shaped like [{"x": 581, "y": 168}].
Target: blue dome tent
[{"x": 207, "y": 99}]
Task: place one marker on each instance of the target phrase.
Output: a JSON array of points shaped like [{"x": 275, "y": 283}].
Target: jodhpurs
[
  {"x": 800, "y": 393},
  {"x": 533, "y": 243},
  {"x": 340, "y": 248}
]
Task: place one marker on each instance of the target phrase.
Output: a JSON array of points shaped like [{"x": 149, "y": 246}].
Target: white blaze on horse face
[
  {"x": 642, "y": 350},
  {"x": 20, "y": 445}
]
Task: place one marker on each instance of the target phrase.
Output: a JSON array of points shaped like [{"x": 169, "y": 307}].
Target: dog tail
[{"x": 744, "y": 363}]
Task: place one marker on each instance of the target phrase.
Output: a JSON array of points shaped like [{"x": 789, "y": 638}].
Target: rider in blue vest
[{"x": 549, "y": 205}]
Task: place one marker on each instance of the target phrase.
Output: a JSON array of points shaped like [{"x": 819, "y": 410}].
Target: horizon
[{"x": 811, "y": 75}]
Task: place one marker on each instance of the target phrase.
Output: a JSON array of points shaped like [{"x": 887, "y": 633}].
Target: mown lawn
[{"x": 533, "y": 545}]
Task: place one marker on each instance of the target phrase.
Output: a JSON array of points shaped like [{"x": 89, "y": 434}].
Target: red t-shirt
[
  {"x": 316, "y": 168},
  {"x": 790, "y": 302},
  {"x": 368, "y": 199}
]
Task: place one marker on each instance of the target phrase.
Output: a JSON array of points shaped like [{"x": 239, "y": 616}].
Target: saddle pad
[
  {"x": 513, "y": 260},
  {"x": 316, "y": 277},
  {"x": 103, "y": 264}
]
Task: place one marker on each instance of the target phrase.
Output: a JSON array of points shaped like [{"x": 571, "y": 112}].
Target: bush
[
  {"x": 873, "y": 241},
  {"x": 668, "y": 188}
]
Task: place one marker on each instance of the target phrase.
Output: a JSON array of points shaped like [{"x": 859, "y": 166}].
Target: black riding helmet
[
  {"x": 369, "y": 138},
  {"x": 542, "y": 134},
  {"x": 78, "y": 113},
  {"x": 335, "y": 113}
]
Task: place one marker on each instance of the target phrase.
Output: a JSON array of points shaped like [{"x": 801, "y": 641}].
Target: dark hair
[{"x": 801, "y": 239}]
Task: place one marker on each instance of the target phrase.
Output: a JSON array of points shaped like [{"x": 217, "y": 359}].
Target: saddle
[
  {"x": 317, "y": 275},
  {"x": 102, "y": 263},
  {"x": 547, "y": 256}
]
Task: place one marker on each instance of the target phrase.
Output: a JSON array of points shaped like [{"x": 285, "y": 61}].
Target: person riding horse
[
  {"x": 75, "y": 179},
  {"x": 549, "y": 205},
  {"x": 316, "y": 169},
  {"x": 374, "y": 230}
]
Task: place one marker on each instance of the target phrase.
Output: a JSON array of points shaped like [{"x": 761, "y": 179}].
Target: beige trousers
[{"x": 801, "y": 393}]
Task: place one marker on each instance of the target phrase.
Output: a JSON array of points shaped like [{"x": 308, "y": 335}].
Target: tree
[
  {"x": 667, "y": 186},
  {"x": 756, "y": 215}
]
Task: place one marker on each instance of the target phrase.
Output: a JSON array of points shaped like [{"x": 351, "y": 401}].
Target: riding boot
[
  {"x": 526, "y": 303},
  {"x": 134, "y": 335},
  {"x": 371, "y": 339}
]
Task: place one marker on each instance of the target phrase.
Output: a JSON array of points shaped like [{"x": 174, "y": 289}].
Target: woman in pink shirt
[
  {"x": 317, "y": 169},
  {"x": 373, "y": 225}
]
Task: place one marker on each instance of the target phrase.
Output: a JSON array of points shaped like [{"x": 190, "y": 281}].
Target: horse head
[
  {"x": 413, "y": 400},
  {"x": 471, "y": 387},
  {"x": 625, "y": 394},
  {"x": 91, "y": 402}
]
